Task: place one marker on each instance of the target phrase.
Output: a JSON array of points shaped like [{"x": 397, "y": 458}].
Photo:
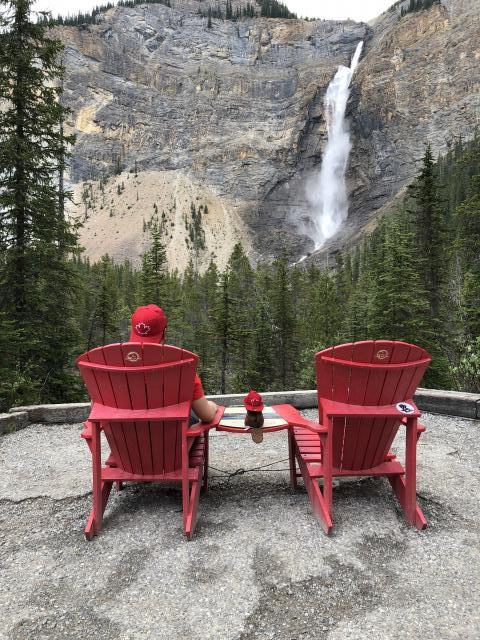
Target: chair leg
[
  {"x": 97, "y": 512},
  {"x": 411, "y": 470},
  {"x": 190, "y": 513},
  {"x": 406, "y": 488},
  {"x": 327, "y": 458},
  {"x": 205, "y": 464},
  {"x": 90, "y": 531},
  {"x": 398, "y": 486},
  {"x": 292, "y": 461},
  {"x": 317, "y": 498}
]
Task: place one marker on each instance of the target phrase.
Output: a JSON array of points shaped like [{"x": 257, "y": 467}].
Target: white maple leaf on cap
[{"x": 142, "y": 329}]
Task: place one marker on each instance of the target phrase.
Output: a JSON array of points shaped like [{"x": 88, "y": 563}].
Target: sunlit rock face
[{"x": 236, "y": 113}]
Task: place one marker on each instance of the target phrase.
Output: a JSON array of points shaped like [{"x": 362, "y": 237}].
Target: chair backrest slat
[
  {"x": 102, "y": 378},
  {"x": 118, "y": 356},
  {"x": 138, "y": 433},
  {"x": 132, "y": 376},
  {"x": 364, "y": 388},
  {"x": 375, "y": 377}
]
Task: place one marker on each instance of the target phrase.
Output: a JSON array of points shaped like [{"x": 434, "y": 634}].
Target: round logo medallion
[
  {"x": 133, "y": 356},
  {"x": 382, "y": 354}
]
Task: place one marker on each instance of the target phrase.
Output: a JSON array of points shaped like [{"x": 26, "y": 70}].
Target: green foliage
[
  {"x": 90, "y": 17},
  {"x": 262, "y": 8},
  {"x": 195, "y": 229},
  {"x": 416, "y": 5},
  {"x": 467, "y": 372},
  {"x": 415, "y": 278},
  {"x": 274, "y": 9},
  {"x": 222, "y": 325},
  {"x": 154, "y": 268},
  {"x": 284, "y": 343},
  {"x": 106, "y": 304},
  {"x": 37, "y": 279}
]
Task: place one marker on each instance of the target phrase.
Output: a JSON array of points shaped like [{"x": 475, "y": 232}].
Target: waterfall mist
[{"x": 326, "y": 192}]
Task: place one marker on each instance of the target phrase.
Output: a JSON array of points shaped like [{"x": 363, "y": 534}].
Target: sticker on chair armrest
[{"x": 404, "y": 407}]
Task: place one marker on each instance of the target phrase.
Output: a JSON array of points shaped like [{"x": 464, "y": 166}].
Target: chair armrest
[
  {"x": 295, "y": 418},
  {"x": 334, "y": 409},
  {"x": 86, "y": 432},
  {"x": 200, "y": 427},
  {"x": 111, "y": 414}
]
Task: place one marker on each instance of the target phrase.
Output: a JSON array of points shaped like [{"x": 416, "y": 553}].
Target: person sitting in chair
[{"x": 148, "y": 325}]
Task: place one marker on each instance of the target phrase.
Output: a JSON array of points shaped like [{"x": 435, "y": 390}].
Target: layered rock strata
[{"x": 233, "y": 116}]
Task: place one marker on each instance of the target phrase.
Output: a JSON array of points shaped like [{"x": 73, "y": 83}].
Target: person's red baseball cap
[
  {"x": 253, "y": 401},
  {"x": 148, "y": 324}
]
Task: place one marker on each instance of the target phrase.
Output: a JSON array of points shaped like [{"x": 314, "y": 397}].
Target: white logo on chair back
[
  {"x": 404, "y": 407},
  {"x": 382, "y": 354},
  {"x": 133, "y": 356}
]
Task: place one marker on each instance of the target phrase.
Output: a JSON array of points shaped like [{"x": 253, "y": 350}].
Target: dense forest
[
  {"x": 416, "y": 277},
  {"x": 412, "y": 6},
  {"x": 417, "y": 5},
  {"x": 253, "y": 9}
]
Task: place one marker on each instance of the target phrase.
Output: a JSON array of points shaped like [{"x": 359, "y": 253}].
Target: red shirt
[{"x": 198, "y": 391}]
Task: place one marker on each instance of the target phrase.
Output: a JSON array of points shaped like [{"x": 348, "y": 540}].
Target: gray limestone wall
[{"x": 453, "y": 403}]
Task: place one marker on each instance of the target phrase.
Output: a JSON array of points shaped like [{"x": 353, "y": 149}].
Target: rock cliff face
[
  {"x": 418, "y": 83},
  {"x": 232, "y": 117}
]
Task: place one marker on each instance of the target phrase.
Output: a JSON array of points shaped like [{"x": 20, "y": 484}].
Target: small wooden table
[{"x": 234, "y": 417}]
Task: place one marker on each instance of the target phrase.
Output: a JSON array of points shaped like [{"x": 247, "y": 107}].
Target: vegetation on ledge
[
  {"x": 413, "y": 5},
  {"x": 259, "y": 8},
  {"x": 416, "y": 278},
  {"x": 254, "y": 9},
  {"x": 90, "y": 17}
]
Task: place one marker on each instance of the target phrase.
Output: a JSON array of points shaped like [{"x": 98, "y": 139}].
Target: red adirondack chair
[
  {"x": 141, "y": 401},
  {"x": 365, "y": 392}
]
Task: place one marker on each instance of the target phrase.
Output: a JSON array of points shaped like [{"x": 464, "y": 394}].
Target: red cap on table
[
  {"x": 148, "y": 324},
  {"x": 253, "y": 401}
]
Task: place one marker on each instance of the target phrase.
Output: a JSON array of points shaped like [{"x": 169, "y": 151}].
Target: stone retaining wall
[{"x": 453, "y": 403}]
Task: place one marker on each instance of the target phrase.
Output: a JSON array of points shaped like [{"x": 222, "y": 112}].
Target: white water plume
[{"x": 327, "y": 192}]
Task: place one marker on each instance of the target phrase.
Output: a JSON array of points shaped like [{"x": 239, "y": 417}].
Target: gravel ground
[{"x": 259, "y": 565}]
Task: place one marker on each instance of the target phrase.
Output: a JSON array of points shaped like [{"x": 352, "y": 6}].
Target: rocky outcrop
[
  {"x": 236, "y": 110},
  {"x": 418, "y": 84}
]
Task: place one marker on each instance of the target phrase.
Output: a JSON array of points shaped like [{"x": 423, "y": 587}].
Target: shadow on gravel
[
  {"x": 312, "y": 607},
  {"x": 72, "y": 626}
]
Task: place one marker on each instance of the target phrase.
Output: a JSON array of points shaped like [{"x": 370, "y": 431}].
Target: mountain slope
[{"x": 233, "y": 115}]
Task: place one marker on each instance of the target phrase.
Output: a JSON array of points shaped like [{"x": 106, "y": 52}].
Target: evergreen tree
[
  {"x": 241, "y": 286},
  {"x": 274, "y": 9},
  {"x": 431, "y": 234},
  {"x": 433, "y": 244},
  {"x": 207, "y": 348},
  {"x": 104, "y": 327},
  {"x": 261, "y": 370},
  {"x": 154, "y": 268},
  {"x": 38, "y": 281},
  {"x": 222, "y": 329},
  {"x": 468, "y": 251},
  {"x": 283, "y": 317},
  {"x": 401, "y": 302}
]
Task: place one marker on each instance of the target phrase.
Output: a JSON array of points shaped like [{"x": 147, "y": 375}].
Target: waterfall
[{"x": 327, "y": 192}]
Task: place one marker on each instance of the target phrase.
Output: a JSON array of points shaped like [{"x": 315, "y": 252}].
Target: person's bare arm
[{"x": 204, "y": 409}]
